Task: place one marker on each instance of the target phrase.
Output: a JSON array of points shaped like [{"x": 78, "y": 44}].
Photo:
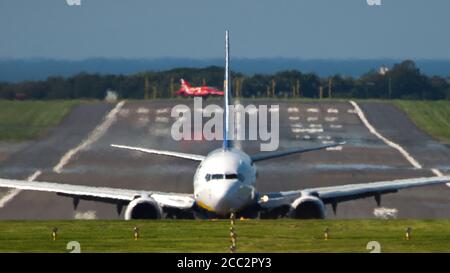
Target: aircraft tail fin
[
  {"x": 184, "y": 84},
  {"x": 227, "y": 95}
]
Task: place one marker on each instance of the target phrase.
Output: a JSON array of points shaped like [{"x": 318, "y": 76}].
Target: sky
[{"x": 306, "y": 29}]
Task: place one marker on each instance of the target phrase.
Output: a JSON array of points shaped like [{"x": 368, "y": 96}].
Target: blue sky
[{"x": 306, "y": 29}]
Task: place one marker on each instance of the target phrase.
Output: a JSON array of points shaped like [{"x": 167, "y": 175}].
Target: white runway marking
[
  {"x": 292, "y": 110},
  {"x": 97, "y": 133},
  {"x": 315, "y": 125},
  {"x": 87, "y": 215},
  {"x": 312, "y": 110},
  {"x": 394, "y": 145},
  {"x": 142, "y": 121},
  {"x": 335, "y": 126},
  {"x": 311, "y": 130},
  {"x": 162, "y": 119},
  {"x": 332, "y": 110},
  {"x": 335, "y": 148},
  {"x": 331, "y": 119},
  {"x": 294, "y": 118},
  {"x": 274, "y": 109},
  {"x": 439, "y": 174},
  {"x": 309, "y": 119},
  {"x": 162, "y": 111},
  {"x": 351, "y": 111},
  {"x": 124, "y": 112},
  {"x": 327, "y": 142},
  {"x": 14, "y": 192},
  {"x": 385, "y": 213},
  {"x": 142, "y": 110},
  {"x": 297, "y": 125},
  {"x": 296, "y": 130},
  {"x": 306, "y": 137}
]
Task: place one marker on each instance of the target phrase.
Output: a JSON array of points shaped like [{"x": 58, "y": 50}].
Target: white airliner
[{"x": 223, "y": 183}]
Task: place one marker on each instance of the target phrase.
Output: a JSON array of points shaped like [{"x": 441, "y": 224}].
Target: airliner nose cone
[{"x": 229, "y": 196}]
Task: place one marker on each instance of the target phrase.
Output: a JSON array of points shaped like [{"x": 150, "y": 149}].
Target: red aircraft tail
[{"x": 185, "y": 84}]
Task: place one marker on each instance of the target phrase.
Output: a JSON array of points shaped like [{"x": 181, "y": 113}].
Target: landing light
[{"x": 264, "y": 198}]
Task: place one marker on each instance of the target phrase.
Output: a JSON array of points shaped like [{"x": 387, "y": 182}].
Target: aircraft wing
[
  {"x": 275, "y": 154},
  {"x": 194, "y": 157},
  {"x": 103, "y": 194},
  {"x": 336, "y": 194}
]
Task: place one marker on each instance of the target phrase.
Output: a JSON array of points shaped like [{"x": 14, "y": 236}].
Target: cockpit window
[
  {"x": 217, "y": 176},
  {"x": 209, "y": 177},
  {"x": 231, "y": 176}
]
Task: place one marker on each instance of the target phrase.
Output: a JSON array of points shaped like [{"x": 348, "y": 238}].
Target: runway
[{"x": 364, "y": 158}]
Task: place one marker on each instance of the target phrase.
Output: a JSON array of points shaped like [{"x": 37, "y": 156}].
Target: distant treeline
[{"x": 402, "y": 81}]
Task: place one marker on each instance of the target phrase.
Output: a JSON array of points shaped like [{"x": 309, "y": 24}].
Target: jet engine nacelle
[
  {"x": 143, "y": 208},
  {"x": 307, "y": 207}
]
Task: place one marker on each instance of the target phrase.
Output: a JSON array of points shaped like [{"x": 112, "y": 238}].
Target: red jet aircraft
[{"x": 201, "y": 91}]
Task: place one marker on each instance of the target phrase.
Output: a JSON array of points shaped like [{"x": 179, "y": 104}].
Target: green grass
[
  {"x": 432, "y": 117},
  {"x": 24, "y": 120},
  {"x": 213, "y": 236}
]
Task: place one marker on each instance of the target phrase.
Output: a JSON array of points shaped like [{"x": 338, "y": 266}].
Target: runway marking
[
  {"x": 327, "y": 142},
  {"x": 97, "y": 133},
  {"x": 294, "y": 118},
  {"x": 311, "y": 130},
  {"x": 86, "y": 215},
  {"x": 394, "y": 145},
  {"x": 385, "y": 213},
  {"x": 298, "y": 125},
  {"x": 309, "y": 119},
  {"x": 331, "y": 119},
  {"x": 312, "y": 110},
  {"x": 274, "y": 109},
  {"x": 306, "y": 137},
  {"x": 332, "y": 110},
  {"x": 336, "y": 126},
  {"x": 439, "y": 174},
  {"x": 351, "y": 111},
  {"x": 162, "y": 119},
  {"x": 142, "y": 110},
  {"x": 142, "y": 121},
  {"x": 292, "y": 110},
  {"x": 162, "y": 111},
  {"x": 124, "y": 112},
  {"x": 296, "y": 130},
  {"x": 14, "y": 192},
  {"x": 335, "y": 148},
  {"x": 315, "y": 125}
]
